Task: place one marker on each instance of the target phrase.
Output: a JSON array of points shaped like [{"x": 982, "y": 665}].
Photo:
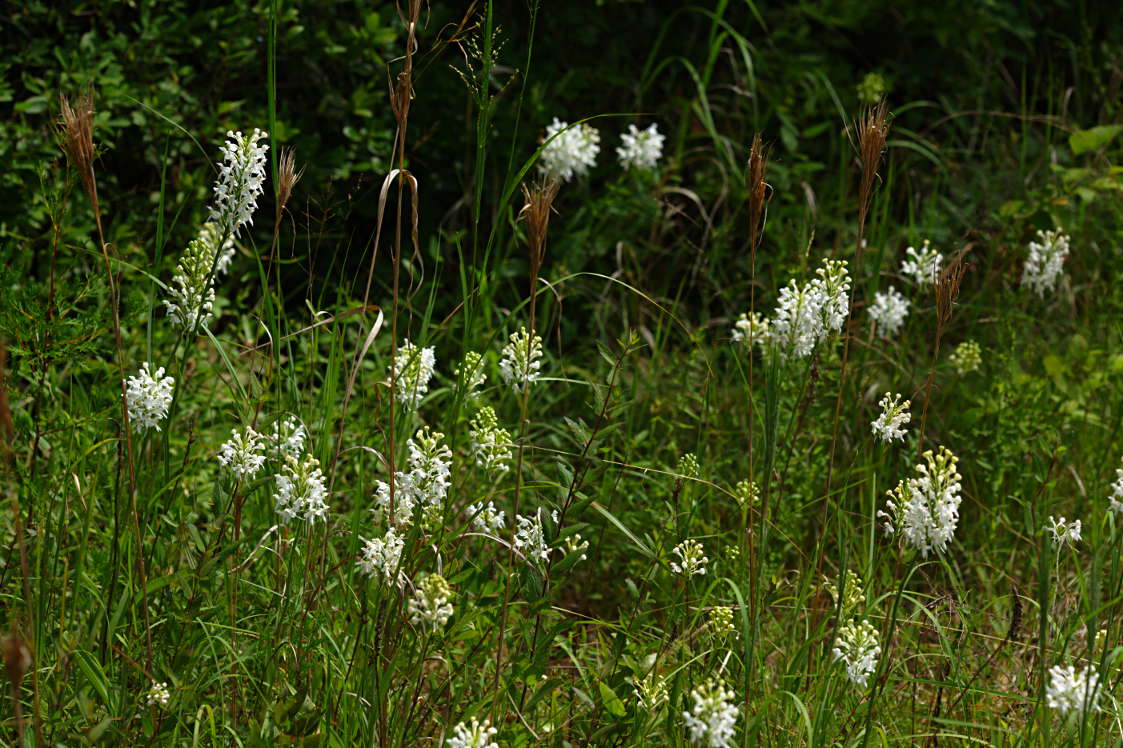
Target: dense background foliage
[{"x": 1006, "y": 119}]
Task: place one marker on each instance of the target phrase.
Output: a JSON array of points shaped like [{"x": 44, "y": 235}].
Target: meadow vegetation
[{"x": 414, "y": 376}]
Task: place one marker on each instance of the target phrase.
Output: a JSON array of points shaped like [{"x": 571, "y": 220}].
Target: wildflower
[
  {"x": 650, "y": 692},
  {"x": 966, "y": 357},
  {"x": 472, "y": 371},
  {"x": 431, "y": 604},
  {"x": 691, "y": 559},
  {"x": 1064, "y": 533},
  {"x": 491, "y": 445},
  {"x": 1116, "y": 497},
  {"x": 521, "y": 360},
  {"x": 712, "y": 720},
  {"x": 300, "y": 490},
  {"x": 923, "y": 266},
  {"x": 747, "y": 493},
  {"x": 573, "y": 545},
  {"x": 853, "y": 597},
  {"x": 192, "y": 294},
  {"x": 925, "y": 509},
  {"x": 476, "y": 736},
  {"x": 148, "y": 397},
  {"x": 894, "y": 415},
  {"x": 688, "y": 466},
  {"x": 641, "y": 149},
  {"x": 872, "y": 88},
  {"x": 427, "y": 481},
  {"x": 1069, "y": 691},
  {"x": 287, "y": 439},
  {"x": 1045, "y": 261},
  {"x": 241, "y": 179},
  {"x": 807, "y": 314},
  {"x": 413, "y": 368},
  {"x": 857, "y": 645},
  {"x": 382, "y": 557},
  {"x": 751, "y": 328},
  {"x": 530, "y": 537},
  {"x": 158, "y": 695},
  {"x": 571, "y": 153},
  {"x": 719, "y": 621},
  {"x": 487, "y": 518},
  {"x": 888, "y": 312},
  {"x": 242, "y": 453}
]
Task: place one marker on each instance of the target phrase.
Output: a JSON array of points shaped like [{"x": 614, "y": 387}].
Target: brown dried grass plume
[
  {"x": 873, "y": 131},
  {"x": 76, "y": 130},
  {"x": 536, "y": 212},
  {"x": 754, "y": 177}
]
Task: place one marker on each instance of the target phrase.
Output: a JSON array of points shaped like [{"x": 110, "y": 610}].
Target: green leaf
[
  {"x": 610, "y": 700},
  {"x": 1083, "y": 141}
]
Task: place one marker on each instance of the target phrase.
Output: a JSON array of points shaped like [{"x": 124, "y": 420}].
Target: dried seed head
[
  {"x": 758, "y": 161},
  {"x": 76, "y": 129},
  {"x": 288, "y": 176},
  {"x": 17, "y": 658},
  {"x": 873, "y": 130},
  {"x": 947, "y": 285},
  {"x": 539, "y": 204}
]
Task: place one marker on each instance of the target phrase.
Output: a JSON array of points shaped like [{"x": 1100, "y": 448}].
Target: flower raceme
[
  {"x": 692, "y": 559},
  {"x": 569, "y": 151},
  {"x": 923, "y": 266},
  {"x": 521, "y": 360},
  {"x": 148, "y": 396},
  {"x": 1045, "y": 261},
  {"x": 894, "y": 415},
  {"x": 888, "y": 312},
  {"x": 431, "y": 604},
  {"x": 412, "y": 370},
  {"x": 427, "y": 481},
  {"x": 241, "y": 180},
  {"x": 382, "y": 557},
  {"x": 243, "y": 454},
  {"x": 301, "y": 491},
  {"x": 476, "y": 735},
  {"x": 1070, "y": 691},
  {"x": 806, "y": 314},
  {"x": 713, "y": 717},
  {"x": 1116, "y": 497},
  {"x": 924, "y": 510},
  {"x": 640, "y": 149},
  {"x": 1064, "y": 533},
  {"x": 858, "y": 647}
]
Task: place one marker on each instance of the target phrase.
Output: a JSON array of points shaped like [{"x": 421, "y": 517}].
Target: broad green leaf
[{"x": 1083, "y": 141}]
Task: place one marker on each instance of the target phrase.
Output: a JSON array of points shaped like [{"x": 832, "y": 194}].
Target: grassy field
[{"x": 676, "y": 424}]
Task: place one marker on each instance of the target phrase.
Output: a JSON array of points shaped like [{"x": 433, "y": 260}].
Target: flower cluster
[
  {"x": 894, "y": 415},
  {"x": 1064, "y": 533},
  {"x": 1116, "y": 497},
  {"x": 427, "y": 481},
  {"x": 857, "y": 645},
  {"x": 1045, "y": 262},
  {"x": 487, "y": 519},
  {"x": 852, "y": 596},
  {"x": 148, "y": 397},
  {"x": 192, "y": 288},
  {"x": 158, "y": 695},
  {"x": 650, "y": 691},
  {"x": 747, "y": 493},
  {"x": 412, "y": 370},
  {"x": 640, "y": 149},
  {"x": 573, "y": 545},
  {"x": 1070, "y": 691},
  {"x": 530, "y": 537},
  {"x": 491, "y": 444},
  {"x": 688, "y": 466},
  {"x": 300, "y": 490},
  {"x": 719, "y": 621},
  {"x": 805, "y": 314},
  {"x": 923, "y": 266},
  {"x": 888, "y": 312},
  {"x": 431, "y": 604},
  {"x": 751, "y": 328},
  {"x": 241, "y": 180},
  {"x": 569, "y": 151},
  {"x": 475, "y": 736},
  {"x": 287, "y": 439},
  {"x": 966, "y": 357},
  {"x": 521, "y": 360},
  {"x": 472, "y": 371},
  {"x": 925, "y": 509},
  {"x": 692, "y": 559},
  {"x": 242, "y": 454},
  {"x": 383, "y": 557},
  {"x": 712, "y": 720}
]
